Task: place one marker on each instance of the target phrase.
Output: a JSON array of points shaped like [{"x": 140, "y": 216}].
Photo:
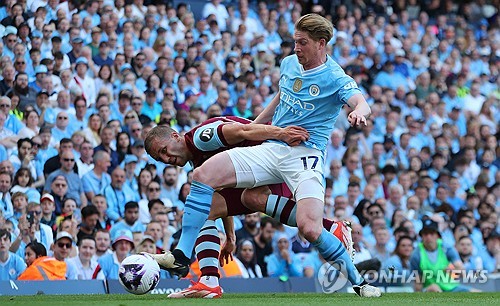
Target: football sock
[
  {"x": 327, "y": 224},
  {"x": 207, "y": 251},
  {"x": 285, "y": 210},
  {"x": 332, "y": 250},
  {"x": 210, "y": 281},
  {"x": 196, "y": 212},
  {"x": 282, "y": 209}
]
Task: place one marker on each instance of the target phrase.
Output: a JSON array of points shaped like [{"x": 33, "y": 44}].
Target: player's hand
[
  {"x": 356, "y": 119},
  {"x": 294, "y": 135},
  {"x": 226, "y": 253}
]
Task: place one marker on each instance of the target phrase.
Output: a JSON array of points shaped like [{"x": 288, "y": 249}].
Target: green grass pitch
[{"x": 259, "y": 299}]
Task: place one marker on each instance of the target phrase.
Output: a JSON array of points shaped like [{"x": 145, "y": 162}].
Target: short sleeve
[
  {"x": 347, "y": 88},
  {"x": 209, "y": 137}
]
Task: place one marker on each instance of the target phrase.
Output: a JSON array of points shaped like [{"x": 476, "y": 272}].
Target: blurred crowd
[{"x": 82, "y": 82}]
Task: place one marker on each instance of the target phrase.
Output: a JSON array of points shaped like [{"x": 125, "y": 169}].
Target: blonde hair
[{"x": 316, "y": 26}]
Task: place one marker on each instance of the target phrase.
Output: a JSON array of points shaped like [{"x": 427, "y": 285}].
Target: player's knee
[
  {"x": 250, "y": 199},
  {"x": 201, "y": 175},
  {"x": 310, "y": 230}
]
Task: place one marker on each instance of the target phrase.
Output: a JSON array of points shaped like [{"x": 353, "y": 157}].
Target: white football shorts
[{"x": 274, "y": 163}]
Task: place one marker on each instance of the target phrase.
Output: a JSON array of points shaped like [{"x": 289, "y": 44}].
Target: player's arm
[
  {"x": 361, "y": 110},
  {"x": 268, "y": 112},
  {"x": 236, "y": 133},
  {"x": 226, "y": 253}
]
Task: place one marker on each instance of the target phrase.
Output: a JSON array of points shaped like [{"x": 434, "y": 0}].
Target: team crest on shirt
[
  {"x": 314, "y": 90},
  {"x": 207, "y": 134},
  {"x": 297, "y": 85},
  {"x": 12, "y": 272}
]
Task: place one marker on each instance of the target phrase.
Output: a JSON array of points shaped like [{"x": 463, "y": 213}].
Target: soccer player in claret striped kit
[{"x": 196, "y": 146}]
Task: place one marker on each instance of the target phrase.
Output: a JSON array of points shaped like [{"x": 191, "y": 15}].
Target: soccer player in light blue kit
[{"x": 313, "y": 89}]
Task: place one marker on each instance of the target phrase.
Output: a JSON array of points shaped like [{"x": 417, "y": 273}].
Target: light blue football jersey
[{"x": 313, "y": 99}]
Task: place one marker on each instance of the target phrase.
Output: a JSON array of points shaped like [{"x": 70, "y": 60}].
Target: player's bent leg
[
  {"x": 216, "y": 172},
  {"x": 271, "y": 201},
  {"x": 309, "y": 216},
  {"x": 178, "y": 264},
  {"x": 218, "y": 208},
  {"x": 256, "y": 199},
  {"x": 207, "y": 252}
]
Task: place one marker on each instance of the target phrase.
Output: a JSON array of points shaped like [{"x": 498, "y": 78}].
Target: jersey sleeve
[
  {"x": 209, "y": 137},
  {"x": 347, "y": 87}
]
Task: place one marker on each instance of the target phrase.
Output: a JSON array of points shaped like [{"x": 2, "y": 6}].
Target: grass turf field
[{"x": 256, "y": 299}]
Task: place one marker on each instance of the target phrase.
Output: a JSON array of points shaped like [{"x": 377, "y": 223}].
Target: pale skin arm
[
  {"x": 9, "y": 142},
  {"x": 39, "y": 183},
  {"x": 361, "y": 110},
  {"x": 226, "y": 253},
  {"x": 235, "y": 133},
  {"x": 26, "y": 234},
  {"x": 268, "y": 112}
]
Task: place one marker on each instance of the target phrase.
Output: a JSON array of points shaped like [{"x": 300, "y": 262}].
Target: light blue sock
[
  {"x": 196, "y": 212},
  {"x": 332, "y": 250}
]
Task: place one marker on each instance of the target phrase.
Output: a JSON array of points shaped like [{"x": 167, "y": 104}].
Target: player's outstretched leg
[
  {"x": 284, "y": 210},
  {"x": 309, "y": 214},
  {"x": 207, "y": 252},
  {"x": 196, "y": 212}
]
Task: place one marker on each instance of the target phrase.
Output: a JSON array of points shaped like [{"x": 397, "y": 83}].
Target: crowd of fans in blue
[{"x": 82, "y": 82}]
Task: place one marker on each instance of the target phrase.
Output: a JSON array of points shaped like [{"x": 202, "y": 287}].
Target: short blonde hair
[{"x": 316, "y": 26}]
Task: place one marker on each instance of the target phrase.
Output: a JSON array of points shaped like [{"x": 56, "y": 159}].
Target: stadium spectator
[
  {"x": 107, "y": 136},
  {"x": 54, "y": 163},
  {"x": 465, "y": 249},
  {"x": 399, "y": 262},
  {"x": 445, "y": 260},
  {"x": 96, "y": 179},
  {"x": 61, "y": 249},
  {"x": 283, "y": 261},
  {"x": 88, "y": 226},
  {"x": 130, "y": 220},
  {"x": 117, "y": 194},
  {"x": 147, "y": 205},
  {"x": 75, "y": 187},
  {"x": 250, "y": 229},
  {"x": 103, "y": 244},
  {"x": 247, "y": 260},
  {"x": 491, "y": 254},
  {"x": 122, "y": 245},
  {"x": 47, "y": 204},
  {"x": 6, "y": 199},
  {"x": 100, "y": 202},
  {"x": 86, "y": 267},
  {"x": 11, "y": 265},
  {"x": 40, "y": 266}
]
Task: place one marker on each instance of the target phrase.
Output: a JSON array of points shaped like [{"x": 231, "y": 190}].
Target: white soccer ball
[{"x": 139, "y": 273}]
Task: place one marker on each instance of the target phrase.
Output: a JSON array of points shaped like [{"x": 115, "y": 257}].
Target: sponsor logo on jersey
[
  {"x": 207, "y": 134},
  {"x": 295, "y": 103},
  {"x": 351, "y": 85},
  {"x": 314, "y": 90},
  {"x": 297, "y": 85}
]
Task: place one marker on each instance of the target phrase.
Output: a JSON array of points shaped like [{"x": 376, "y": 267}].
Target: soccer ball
[{"x": 139, "y": 273}]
